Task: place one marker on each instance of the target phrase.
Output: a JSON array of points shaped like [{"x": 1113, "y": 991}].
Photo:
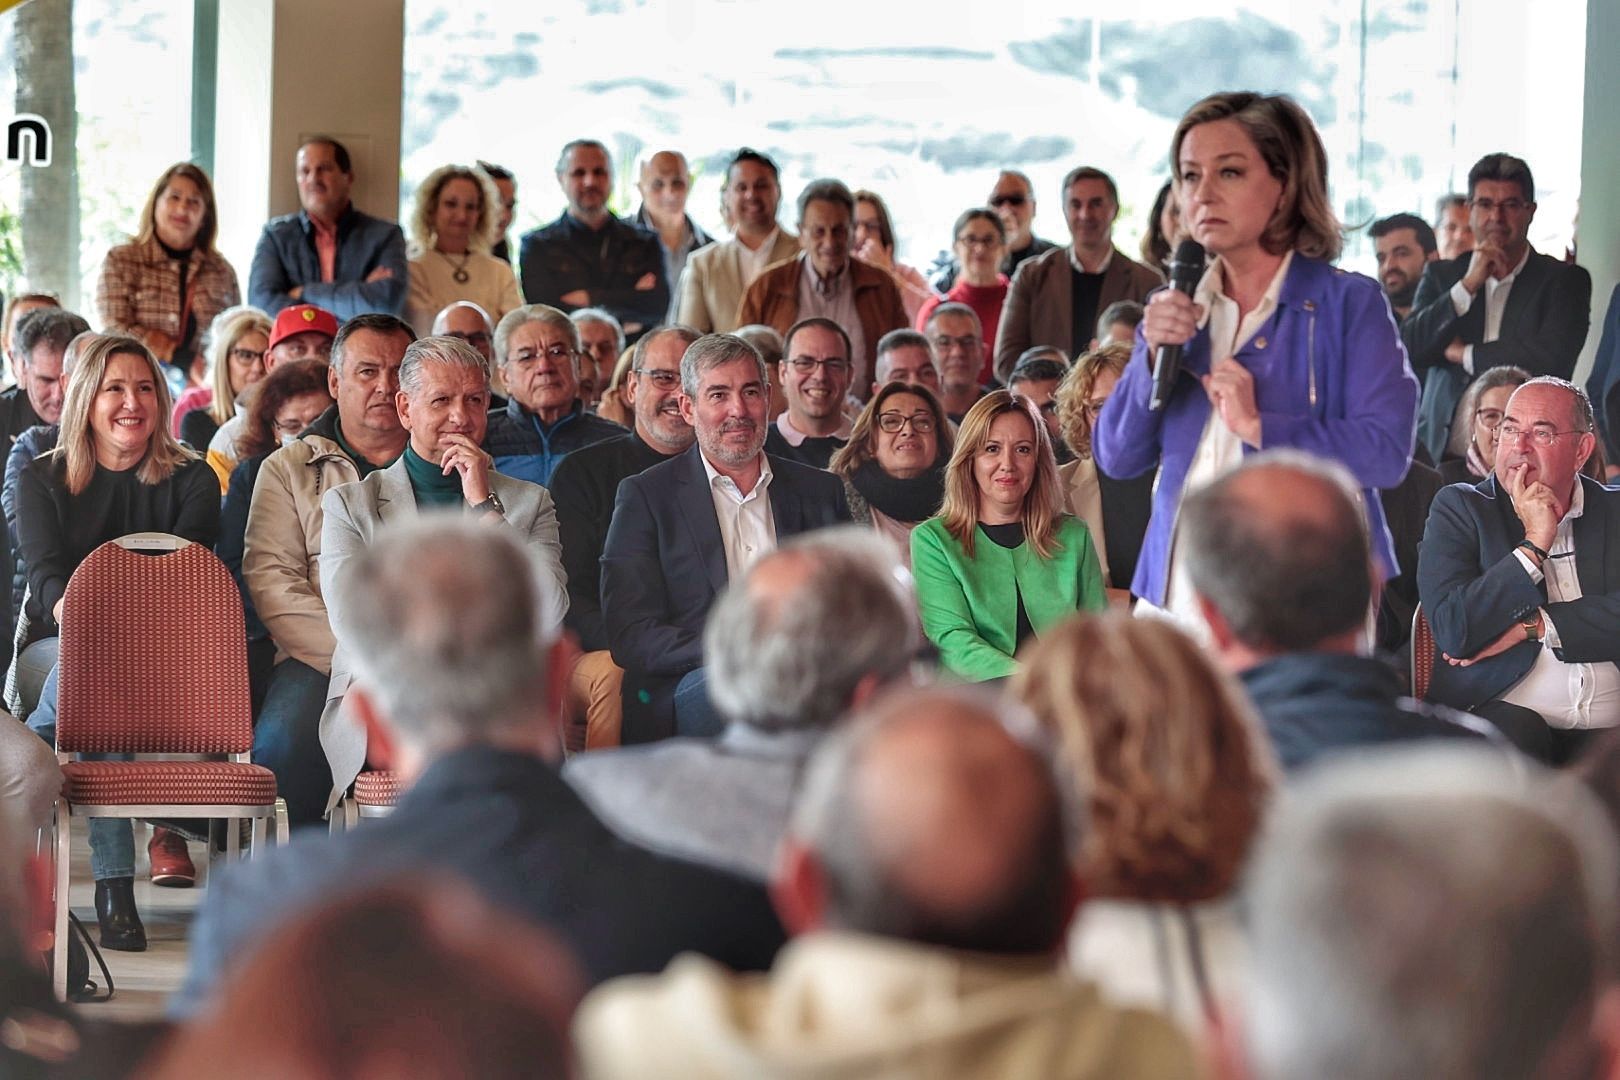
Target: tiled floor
[{"x": 143, "y": 980}]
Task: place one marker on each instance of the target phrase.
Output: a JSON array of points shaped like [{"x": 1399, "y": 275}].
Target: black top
[
  {"x": 815, "y": 451},
  {"x": 232, "y": 544},
  {"x": 56, "y": 530},
  {"x": 511, "y": 827},
  {"x": 1084, "y": 292},
  {"x": 1126, "y": 507},
  {"x": 17, "y": 413},
  {"x": 606, "y": 262},
  {"x": 582, "y": 489},
  {"x": 1010, "y": 536},
  {"x": 1456, "y": 471},
  {"x": 197, "y": 429}
]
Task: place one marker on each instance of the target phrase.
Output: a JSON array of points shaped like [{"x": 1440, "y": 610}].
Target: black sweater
[
  {"x": 583, "y": 489},
  {"x": 55, "y": 530}
]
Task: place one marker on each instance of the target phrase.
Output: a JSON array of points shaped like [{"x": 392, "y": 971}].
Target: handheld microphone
[{"x": 1186, "y": 268}]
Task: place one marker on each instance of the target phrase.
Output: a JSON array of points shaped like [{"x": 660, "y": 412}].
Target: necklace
[{"x": 460, "y": 273}]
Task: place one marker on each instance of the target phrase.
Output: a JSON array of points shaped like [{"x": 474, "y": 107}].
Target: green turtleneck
[{"x": 428, "y": 482}]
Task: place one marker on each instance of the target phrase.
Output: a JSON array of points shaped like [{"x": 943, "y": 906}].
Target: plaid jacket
[{"x": 139, "y": 291}]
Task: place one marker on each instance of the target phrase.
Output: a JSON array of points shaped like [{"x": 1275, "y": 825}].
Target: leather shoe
[
  {"x": 121, "y": 928},
  {"x": 171, "y": 862}
]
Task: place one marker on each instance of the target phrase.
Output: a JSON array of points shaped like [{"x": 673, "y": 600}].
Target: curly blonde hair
[
  {"x": 1163, "y": 750},
  {"x": 1075, "y": 390},
  {"x": 427, "y": 201}
]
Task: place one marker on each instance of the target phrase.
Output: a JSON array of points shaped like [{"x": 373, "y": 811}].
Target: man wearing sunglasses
[
  {"x": 1502, "y": 303},
  {"x": 1520, "y": 580}
]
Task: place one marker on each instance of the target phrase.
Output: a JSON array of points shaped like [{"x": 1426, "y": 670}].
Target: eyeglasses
[
  {"x": 895, "y": 422},
  {"x": 661, "y": 378},
  {"x": 999, "y": 201},
  {"x": 806, "y": 365},
  {"x": 478, "y": 339},
  {"x": 556, "y": 354},
  {"x": 989, "y": 241},
  {"x": 247, "y": 356},
  {"x": 1489, "y": 417},
  {"x": 1507, "y": 206},
  {"x": 289, "y": 427},
  {"x": 1510, "y": 432},
  {"x": 965, "y": 343}
]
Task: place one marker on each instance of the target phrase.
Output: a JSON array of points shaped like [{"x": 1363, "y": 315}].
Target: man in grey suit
[
  {"x": 809, "y": 633},
  {"x": 711, "y": 287},
  {"x": 443, "y": 402},
  {"x": 1502, "y": 303}
]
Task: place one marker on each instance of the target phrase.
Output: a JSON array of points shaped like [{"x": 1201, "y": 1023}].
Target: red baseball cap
[{"x": 302, "y": 319}]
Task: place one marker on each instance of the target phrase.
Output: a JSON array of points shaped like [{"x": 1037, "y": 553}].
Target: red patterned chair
[
  {"x": 1422, "y": 654},
  {"x": 374, "y": 795},
  {"x": 154, "y": 662}
]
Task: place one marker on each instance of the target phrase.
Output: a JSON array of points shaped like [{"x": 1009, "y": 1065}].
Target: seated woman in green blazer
[{"x": 1000, "y": 562}]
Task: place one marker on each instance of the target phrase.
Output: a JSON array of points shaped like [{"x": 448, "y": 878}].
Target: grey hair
[
  {"x": 600, "y": 315},
  {"x": 764, "y": 338},
  {"x": 448, "y": 351},
  {"x": 1580, "y": 413},
  {"x": 1462, "y": 432},
  {"x": 900, "y": 339},
  {"x": 956, "y": 307},
  {"x": 580, "y": 144},
  {"x": 712, "y": 350},
  {"x": 445, "y": 629},
  {"x": 378, "y": 322},
  {"x": 528, "y": 313},
  {"x": 1440, "y": 911},
  {"x": 780, "y": 659},
  {"x": 687, "y": 334},
  {"x": 442, "y": 319}
]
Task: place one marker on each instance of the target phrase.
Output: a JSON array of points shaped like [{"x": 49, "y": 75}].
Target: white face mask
[{"x": 288, "y": 440}]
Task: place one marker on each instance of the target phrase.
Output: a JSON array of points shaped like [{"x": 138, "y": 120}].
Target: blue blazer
[
  {"x": 1473, "y": 588},
  {"x": 286, "y": 258},
  {"x": 664, "y": 563},
  {"x": 1330, "y": 377}
]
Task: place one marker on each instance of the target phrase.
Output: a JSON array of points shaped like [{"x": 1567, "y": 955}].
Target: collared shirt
[
  {"x": 833, "y": 299},
  {"x": 1566, "y": 695},
  {"x": 1074, "y": 262},
  {"x": 753, "y": 263},
  {"x": 326, "y": 245},
  {"x": 1219, "y": 450},
  {"x": 747, "y": 525},
  {"x": 1496, "y": 297},
  {"x": 795, "y": 437}
]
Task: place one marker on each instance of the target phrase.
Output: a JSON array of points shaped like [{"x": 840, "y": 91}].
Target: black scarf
[{"x": 910, "y": 501}]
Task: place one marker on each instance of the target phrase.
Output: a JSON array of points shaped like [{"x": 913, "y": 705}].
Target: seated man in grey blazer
[
  {"x": 443, "y": 402},
  {"x": 809, "y": 633}
]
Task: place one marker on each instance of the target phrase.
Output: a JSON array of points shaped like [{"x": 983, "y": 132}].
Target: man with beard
[
  {"x": 583, "y": 488},
  {"x": 815, "y": 374},
  {"x": 683, "y": 529},
  {"x": 1405, "y": 245},
  {"x": 712, "y": 286}
]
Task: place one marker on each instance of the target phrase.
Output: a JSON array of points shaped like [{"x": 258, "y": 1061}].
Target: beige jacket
[
  {"x": 712, "y": 285},
  {"x": 282, "y": 560},
  {"x": 848, "y": 1005}
]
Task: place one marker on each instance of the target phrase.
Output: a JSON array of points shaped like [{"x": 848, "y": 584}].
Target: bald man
[
  {"x": 664, "y": 183},
  {"x": 926, "y": 881},
  {"x": 1279, "y": 560}
]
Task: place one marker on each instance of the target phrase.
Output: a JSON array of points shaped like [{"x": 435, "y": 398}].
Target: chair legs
[{"x": 59, "y": 953}]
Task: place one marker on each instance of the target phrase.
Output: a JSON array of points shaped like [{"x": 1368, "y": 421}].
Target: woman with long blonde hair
[
  {"x": 1173, "y": 774},
  {"x": 1000, "y": 562}
]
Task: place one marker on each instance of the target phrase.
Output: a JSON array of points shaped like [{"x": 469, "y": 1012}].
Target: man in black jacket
[
  {"x": 588, "y": 257},
  {"x": 583, "y": 488},
  {"x": 1278, "y": 554},
  {"x": 458, "y": 686},
  {"x": 1503, "y": 303}
]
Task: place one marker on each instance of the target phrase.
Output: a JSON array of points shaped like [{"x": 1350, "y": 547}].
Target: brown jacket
[
  {"x": 139, "y": 291},
  {"x": 1040, "y": 308},
  {"x": 773, "y": 299}
]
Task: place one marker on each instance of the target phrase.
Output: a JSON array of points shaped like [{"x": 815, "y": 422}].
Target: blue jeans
[
  {"x": 287, "y": 739},
  {"x": 112, "y": 840},
  {"x": 695, "y": 714}
]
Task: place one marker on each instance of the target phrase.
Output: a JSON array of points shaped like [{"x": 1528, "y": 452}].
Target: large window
[{"x": 923, "y": 105}]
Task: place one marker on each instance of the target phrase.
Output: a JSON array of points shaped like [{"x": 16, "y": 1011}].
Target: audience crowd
[{"x": 788, "y": 663}]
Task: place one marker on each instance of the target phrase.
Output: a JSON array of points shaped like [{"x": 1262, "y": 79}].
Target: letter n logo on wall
[{"x": 29, "y": 128}]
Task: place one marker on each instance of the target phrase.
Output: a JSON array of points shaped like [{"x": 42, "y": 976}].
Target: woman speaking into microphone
[{"x": 1279, "y": 348}]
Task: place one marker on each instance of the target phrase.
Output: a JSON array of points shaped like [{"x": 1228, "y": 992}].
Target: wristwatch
[
  {"x": 491, "y": 506},
  {"x": 1532, "y": 628}
]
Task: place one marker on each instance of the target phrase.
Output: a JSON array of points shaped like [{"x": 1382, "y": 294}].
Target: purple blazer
[{"x": 1330, "y": 377}]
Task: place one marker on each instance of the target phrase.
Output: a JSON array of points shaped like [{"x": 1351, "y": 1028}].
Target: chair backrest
[
  {"x": 153, "y": 656},
  {"x": 1422, "y": 654}
]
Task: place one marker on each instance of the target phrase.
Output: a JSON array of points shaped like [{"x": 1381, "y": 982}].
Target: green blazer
[{"x": 969, "y": 606}]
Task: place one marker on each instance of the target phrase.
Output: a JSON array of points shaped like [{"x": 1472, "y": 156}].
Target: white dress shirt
[
  {"x": 1566, "y": 695},
  {"x": 1219, "y": 450},
  {"x": 753, "y": 263},
  {"x": 1496, "y": 297},
  {"x": 747, "y": 525}
]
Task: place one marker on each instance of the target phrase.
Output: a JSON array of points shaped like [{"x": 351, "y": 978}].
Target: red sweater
[{"x": 986, "y": 300}]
